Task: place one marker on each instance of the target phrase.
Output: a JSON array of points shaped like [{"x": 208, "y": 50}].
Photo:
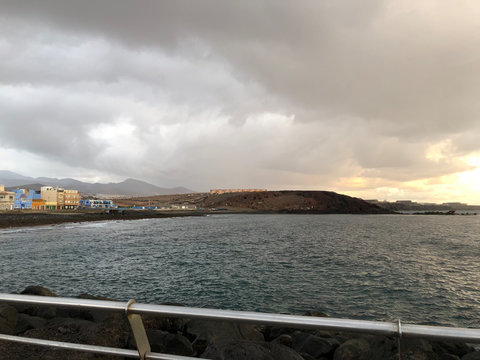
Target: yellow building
[
  {"x": 7, "y": 199},
  {"x": 58, "y": 198},
  {"x": 49, "y": 195}
]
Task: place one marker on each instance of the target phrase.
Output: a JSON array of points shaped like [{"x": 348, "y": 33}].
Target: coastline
[{"x": 26, "y": 218}]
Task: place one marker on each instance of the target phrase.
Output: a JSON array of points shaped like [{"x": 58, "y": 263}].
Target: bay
[{"x": 422, "y": 269}]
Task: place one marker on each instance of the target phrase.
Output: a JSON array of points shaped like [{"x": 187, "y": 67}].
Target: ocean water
[{"x": 422, "y": 269}]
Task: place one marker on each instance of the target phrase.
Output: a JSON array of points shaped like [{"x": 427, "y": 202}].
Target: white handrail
[{"x": 325, "y": 323}]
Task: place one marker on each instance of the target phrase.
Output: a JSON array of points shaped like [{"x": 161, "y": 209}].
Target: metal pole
[
  {"x": 91, "y": 348},
  {"x": 333, "y": 324}
]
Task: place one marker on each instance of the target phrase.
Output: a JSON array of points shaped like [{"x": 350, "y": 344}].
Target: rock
[
  {"x": 165, "y": 342},
  {"x": 90, "y": 314},
  {"x": 5, "y": 328},
  {"x": 449, "y": 357},
  {"x": 93, "y": 297},
  {"x": 26, "y": 322},
  {"x": 472, "y": 356},
  {"x": 71, "y": 323},
  {"x": 315, "y": 346},
  {"x": 212, "y": 331},
  {"x": 454, "y": 348},
  {"x": 66, "y": 330},
  {"x": 9, "y": 314},
  {"x": 417, "y": 349},
  {"x": 284, "y": 339},
  {"x": 47, "y": 312},
  {"x": 199, "y": 346},
  {"x": 315, "y": 313},
  {"x": 353, "y": 349},
  {"x": 38, "y": 290},
  {"x": 272, "y": 332},
  {"x": 169, "y": 324},
  {"x": 238, "y": 349}
]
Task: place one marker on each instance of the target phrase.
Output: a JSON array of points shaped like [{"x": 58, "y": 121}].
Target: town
[{"x": 48, "y": 198}]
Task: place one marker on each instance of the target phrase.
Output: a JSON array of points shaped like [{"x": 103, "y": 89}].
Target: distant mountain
[
  {"x": 9, "y": 178},
  {"x": 129, "y": 187},
  {"x": 5, "y": 174}
]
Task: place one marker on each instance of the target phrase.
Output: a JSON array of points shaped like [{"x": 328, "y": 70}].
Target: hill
[
  {"x": 317, "y": 202},
  {"x": 293, "y": 201}
]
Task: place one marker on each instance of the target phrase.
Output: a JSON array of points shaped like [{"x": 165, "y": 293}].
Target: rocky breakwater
[
  {"x": 199, "y": 338},
  {"x": 9, "y": 219}
]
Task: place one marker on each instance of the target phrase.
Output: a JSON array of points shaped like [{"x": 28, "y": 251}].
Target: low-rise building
[
  {"x": 23, "y": 199},
  {"x": 60, "y": 198},
  {"x": 226, "y": 191},
  {"x": 38, "y": 204},
  {"x": 71, "y": 199},
  {"x": 98, "y": 204},
  {"x": 7, "y": 199},
  {"x": 49, "y": 195}
]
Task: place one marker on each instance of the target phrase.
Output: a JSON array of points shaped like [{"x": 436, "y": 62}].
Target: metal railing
[{"x": 134, "y": 310}]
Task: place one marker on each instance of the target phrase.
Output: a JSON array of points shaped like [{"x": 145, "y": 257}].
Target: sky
[{"x": 375, "y": 99}]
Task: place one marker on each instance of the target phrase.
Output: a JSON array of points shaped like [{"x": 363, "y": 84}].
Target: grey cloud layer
[{"x": 370, "y": 86}]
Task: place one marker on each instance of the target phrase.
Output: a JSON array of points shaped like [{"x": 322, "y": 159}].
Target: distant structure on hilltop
[{"x": 226, "y": 191}]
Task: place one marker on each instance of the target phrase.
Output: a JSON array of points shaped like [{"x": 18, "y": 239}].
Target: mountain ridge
[{"x": 127, "y": 187}]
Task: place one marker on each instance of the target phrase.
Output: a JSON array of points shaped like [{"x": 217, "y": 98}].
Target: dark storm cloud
[{"x": 318, "y": 88}]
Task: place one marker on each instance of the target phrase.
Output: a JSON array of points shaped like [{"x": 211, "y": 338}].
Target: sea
[{"x": 422, "y": 269}]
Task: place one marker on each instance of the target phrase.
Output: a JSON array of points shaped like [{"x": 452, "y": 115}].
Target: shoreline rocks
[
  {"x": 15, "y": 219},
  {"x": 200, "y": 338}
]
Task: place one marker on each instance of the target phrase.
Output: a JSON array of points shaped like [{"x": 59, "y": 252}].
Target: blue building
[
  {"x": 98, "y": 204},
  {"x": 23, "y": 199}
]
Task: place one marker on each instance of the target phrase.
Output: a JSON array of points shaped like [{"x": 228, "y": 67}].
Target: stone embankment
[
  {"x": 199, "y": 338},
  {"x": 10, "y": 219}
]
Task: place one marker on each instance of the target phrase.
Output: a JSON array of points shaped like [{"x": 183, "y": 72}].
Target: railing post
[
  {"x": 399, "y": 336},
  {"x": 138, "y": 330}
]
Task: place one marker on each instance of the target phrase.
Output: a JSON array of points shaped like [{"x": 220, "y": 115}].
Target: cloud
[{"x": 263, "y": 94}]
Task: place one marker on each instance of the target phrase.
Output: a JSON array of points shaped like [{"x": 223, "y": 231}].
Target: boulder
[
  {"x": 238, "y": 349},
  {"x": 26, "y": 322},
  {"x": 454, "y": 348},
  {"x": 472, "y": 356},
  {"x": 60, "y": 322},
  {"x": 305, "y": 343},
  {"x": 417, "y": 349},
  {"x": 272, "y": 332},
  {"x": 315, "y": 313},
  {"x": 9, "y": 314},
  {"x": 170, "y": 324},
  {"x": 48, "y": 312},
  {"x": 212, "y": 331},
  {"x": 165, "y": 342},
  {"x": 38, "y": 290},
  {"x": 448, "y": 357},
  {"x": 5, "y": 328},
  {"x": 285, "y": 340},
  {"x": 353, "y": 349}
]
